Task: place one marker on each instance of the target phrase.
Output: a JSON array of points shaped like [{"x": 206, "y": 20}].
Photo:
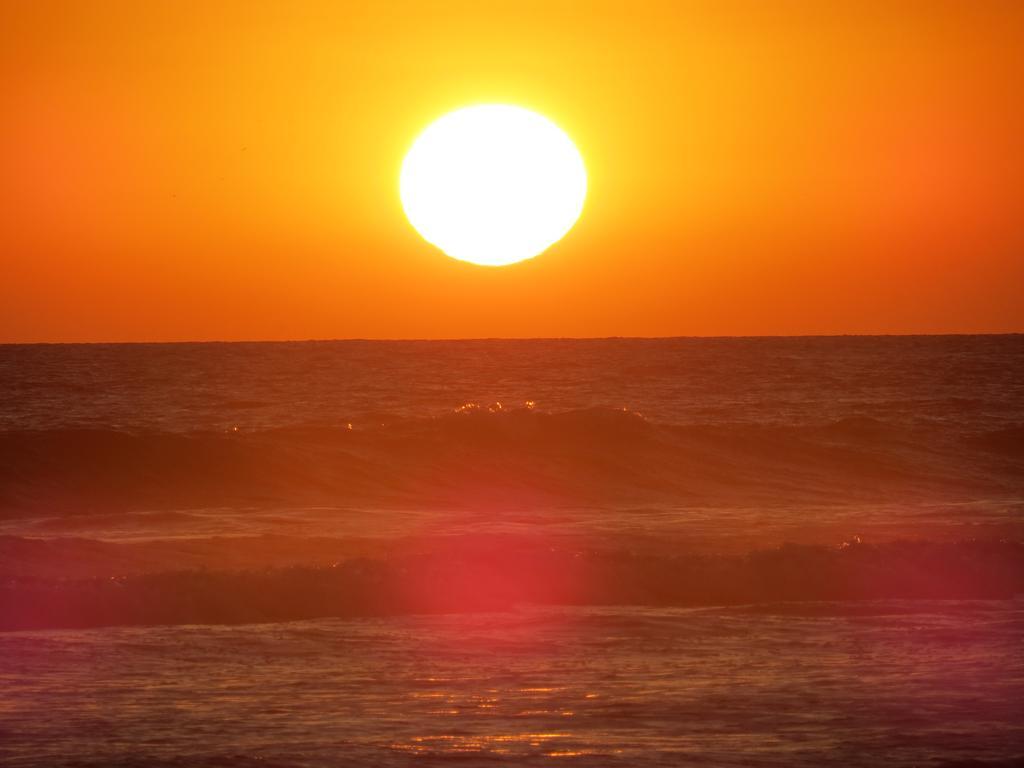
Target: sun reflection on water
[{"x": 495, "y": 744}]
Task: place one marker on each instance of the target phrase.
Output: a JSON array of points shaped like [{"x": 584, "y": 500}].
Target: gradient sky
[{"x": 229, "y": 170}]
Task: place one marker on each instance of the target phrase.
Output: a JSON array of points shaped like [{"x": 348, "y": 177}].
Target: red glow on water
[{"x": 482, "y": 572}]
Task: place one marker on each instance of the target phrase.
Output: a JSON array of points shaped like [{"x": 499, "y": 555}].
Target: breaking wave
[
  {"x": 474, "y": 574},
  {"x": 503, "y": 457}
]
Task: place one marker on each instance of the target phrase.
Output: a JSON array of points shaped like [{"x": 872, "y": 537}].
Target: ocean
[{"x": 725, "y": 552}]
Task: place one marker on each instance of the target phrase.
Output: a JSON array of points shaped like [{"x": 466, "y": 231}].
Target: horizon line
[{"x": 515, "y": 338}]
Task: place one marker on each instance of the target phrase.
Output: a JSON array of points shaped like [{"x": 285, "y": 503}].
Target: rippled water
[{"x": 903, "y": 685}]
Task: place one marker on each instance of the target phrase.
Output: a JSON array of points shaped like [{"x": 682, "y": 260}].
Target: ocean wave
[
  {"x": 503, "y": 457},
  {"x": 474, "y": 574}
]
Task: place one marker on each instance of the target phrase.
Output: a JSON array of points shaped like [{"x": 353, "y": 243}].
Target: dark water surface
[
  {"x": 637, "y": 552},
  {"x": 972, "y": 381}
]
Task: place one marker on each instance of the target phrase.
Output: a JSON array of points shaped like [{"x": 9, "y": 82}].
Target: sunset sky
[{"x": 191, "y": 171}]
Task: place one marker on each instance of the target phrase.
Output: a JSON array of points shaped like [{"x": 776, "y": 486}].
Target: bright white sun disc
[{"x": 493, "y": 184}]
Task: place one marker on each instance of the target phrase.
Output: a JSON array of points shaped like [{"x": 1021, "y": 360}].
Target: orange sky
[{"x": 177, "y": 171}]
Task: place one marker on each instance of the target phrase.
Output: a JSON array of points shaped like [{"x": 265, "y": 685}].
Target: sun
[{"x": 493, "y": 184}]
